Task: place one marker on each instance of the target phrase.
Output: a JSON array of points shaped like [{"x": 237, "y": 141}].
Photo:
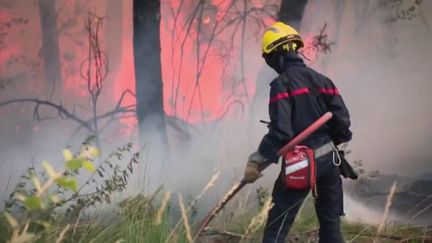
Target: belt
[{"x": 325, "y": 149}]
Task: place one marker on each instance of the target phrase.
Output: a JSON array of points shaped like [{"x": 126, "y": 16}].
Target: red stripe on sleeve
[
  {"x": 300, "y": 91},
  {"x": 285, "y": 95},
  {"x": 279, "y": 97},
  {"x": 329, "y": 91}
]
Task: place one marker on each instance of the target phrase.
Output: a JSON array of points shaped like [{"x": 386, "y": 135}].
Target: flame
[
  {"x": 188, "y": 96},
  {"x": 218, "y": 70},
  {"x": 206, "y": 20}
]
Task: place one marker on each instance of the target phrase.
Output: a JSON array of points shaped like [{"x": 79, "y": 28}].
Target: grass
[
  {"x": 139, "y": 220},
  {"x": 136, "y": 222},
  {"x": 152, "y": 219}
]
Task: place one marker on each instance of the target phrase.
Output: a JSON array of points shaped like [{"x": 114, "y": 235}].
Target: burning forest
[{"x": 215, "y": 121}]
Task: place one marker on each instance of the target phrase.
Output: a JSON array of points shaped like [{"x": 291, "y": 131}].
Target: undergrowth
[{"x": 51, "y": 205}]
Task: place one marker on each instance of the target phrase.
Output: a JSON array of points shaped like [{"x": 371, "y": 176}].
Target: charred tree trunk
[
  {"x": 50, "y": 50},
  {"x": 291, "y": 12},
  {"x": 148, "y": 74}
]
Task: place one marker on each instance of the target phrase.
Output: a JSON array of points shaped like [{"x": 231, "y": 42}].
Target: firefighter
[{"x": 298, "y": 97}]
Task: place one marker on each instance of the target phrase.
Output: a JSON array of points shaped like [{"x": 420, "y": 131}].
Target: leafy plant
[
  {"x": 40, "y": 200},
  {"x": 40, "y": 195}
]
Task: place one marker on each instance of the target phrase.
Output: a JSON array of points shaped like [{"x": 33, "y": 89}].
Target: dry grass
[
  {"x": 62, "y": 234},
  {"x": 258, "y": 220},
  {"x": 387, "y": 209},
  {"x": 161, "y": 210},
  {"x": 209, "y": 185},
  {"x": 185, "y": 219}
]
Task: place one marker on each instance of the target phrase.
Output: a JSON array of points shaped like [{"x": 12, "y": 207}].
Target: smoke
[{"x": 381, "y": 63}]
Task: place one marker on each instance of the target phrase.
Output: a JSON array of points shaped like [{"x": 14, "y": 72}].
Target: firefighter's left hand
[{"x": 251, "y": 173}]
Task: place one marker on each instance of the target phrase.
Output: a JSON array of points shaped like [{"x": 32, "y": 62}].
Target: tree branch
[{"x": 61, "y": 110}]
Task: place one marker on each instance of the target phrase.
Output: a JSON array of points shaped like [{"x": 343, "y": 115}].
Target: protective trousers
[{"x": 328, "y": 205}]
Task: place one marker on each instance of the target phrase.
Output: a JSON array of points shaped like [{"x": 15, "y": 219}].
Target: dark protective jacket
[{"x": 298, "y": 97}]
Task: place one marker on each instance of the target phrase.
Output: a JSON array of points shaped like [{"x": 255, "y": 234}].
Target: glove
[
  {"x": 345, "y": 168},
  {"x": 251, "y": 173}
]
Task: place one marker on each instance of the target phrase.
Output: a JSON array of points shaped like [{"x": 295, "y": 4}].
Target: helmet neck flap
[{"x": 281, "y": 60}]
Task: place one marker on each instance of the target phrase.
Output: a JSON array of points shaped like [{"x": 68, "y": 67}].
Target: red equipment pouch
[{"x": 298, "y": 169}]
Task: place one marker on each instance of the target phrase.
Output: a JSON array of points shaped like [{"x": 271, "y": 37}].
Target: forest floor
[
  {"x": 48, "y": 206},
  {"x": 138, "y": 220}
]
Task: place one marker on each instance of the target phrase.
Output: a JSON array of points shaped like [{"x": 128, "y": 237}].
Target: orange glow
[
  {"x": 206, "y": 20},
  {"x": 202, "y": 74},
  {"x": 194, "y": 90}
]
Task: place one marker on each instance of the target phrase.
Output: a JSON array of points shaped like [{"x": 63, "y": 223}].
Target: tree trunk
[
  {"x": 291, "y": 12},
  {"x": 50, "y": 50},
  {"x": 148, "y": 79}
]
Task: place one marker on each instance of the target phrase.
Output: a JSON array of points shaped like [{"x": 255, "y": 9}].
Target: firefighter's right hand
[{"x": 251, "y": 173}]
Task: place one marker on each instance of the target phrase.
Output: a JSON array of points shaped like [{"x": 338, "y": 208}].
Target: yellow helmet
[{"x": 280, "y": 34}]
